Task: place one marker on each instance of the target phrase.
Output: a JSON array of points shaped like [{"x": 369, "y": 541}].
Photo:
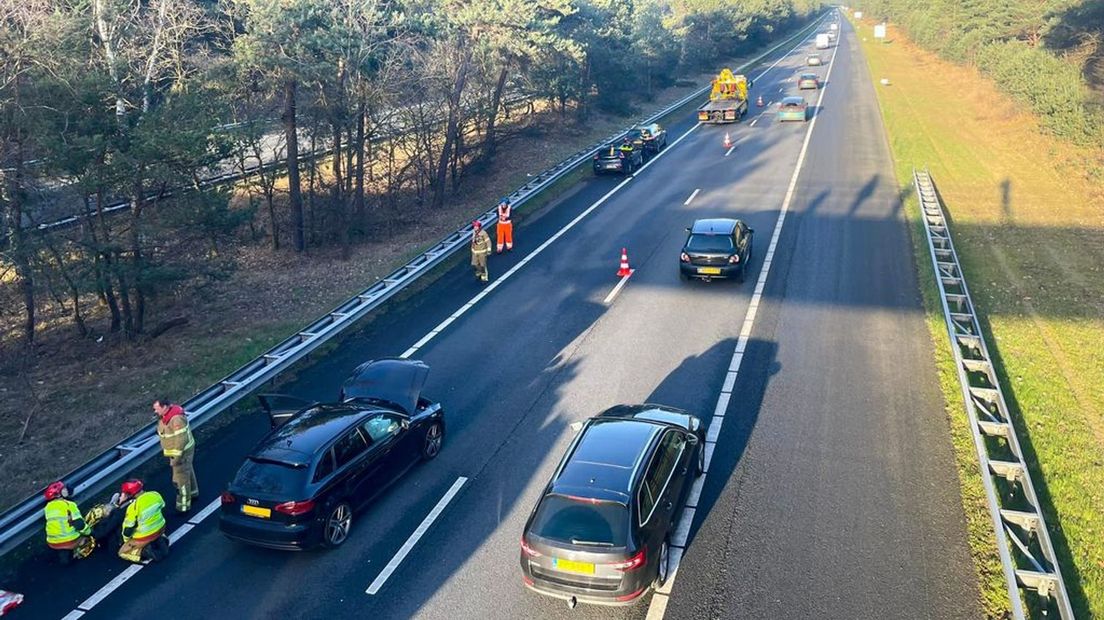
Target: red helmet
[
  {"x": 55, "y": 490},
  {"x": 132, "y": 487},
  {"x": 477, "y": 225}
]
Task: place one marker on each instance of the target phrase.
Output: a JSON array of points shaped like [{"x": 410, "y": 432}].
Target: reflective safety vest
[
  {"x": 144, "y": 515},
  {"x": 504, "y": 213},
  {"x": 60, "y": 514}
]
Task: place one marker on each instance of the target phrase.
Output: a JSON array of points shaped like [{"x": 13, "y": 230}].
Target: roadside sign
[
  {"x": 879, "y": 31},
  {"x": 858, "y": 14}
]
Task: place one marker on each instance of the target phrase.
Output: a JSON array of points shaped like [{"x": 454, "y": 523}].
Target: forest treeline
[
  {"x": 103, "y": 100},
  {"x": 1048, "y": 54}
]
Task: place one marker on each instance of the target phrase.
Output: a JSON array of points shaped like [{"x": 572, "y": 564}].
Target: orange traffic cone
[
  {"x": 624, "y": 270},
  {"x": 759, "y": 101},
  {"x": 728, "y": 141}
]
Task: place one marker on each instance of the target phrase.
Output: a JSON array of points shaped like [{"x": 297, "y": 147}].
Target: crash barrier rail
[
  {"x": 1023, "y": 541},
  {"x": 232, "y": 176},
  {"x": 25, "y": 519}
]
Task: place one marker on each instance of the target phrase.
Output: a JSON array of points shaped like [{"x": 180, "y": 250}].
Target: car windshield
[
  {"x": 808, "y": 76},
  {"x": 637, "y": 134},
  {"x": 264, "y": 476},
  {"x": 709, "y": 243},
  {"x": 582, "y": 521},
  {"x": 792, "y": 102}
]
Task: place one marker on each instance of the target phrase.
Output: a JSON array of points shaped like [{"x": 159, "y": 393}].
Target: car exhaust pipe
[{"x": 572, "y": 602}]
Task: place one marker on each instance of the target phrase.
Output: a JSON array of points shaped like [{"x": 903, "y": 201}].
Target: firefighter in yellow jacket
[
  {"x": 480, "y": 249},
  {"x": 66, "y": 531},
  {"x": 178, "y": 445},
  {"x": 143, "y": 524}
]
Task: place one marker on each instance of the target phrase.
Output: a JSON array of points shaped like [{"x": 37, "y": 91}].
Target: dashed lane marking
[{"x": 658, "y": 606}]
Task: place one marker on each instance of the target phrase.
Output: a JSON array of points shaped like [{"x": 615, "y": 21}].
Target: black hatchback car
[
  {"x": 624, "y": 157},
  {"x": 649, "y": 138},
  {"x": 716, "y": 248},
  {"x": 600, "y": 532},
  {"x": 299, "y": 487}
]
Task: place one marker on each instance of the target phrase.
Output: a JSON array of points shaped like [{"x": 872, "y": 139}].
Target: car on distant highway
[
  {"x": 614, "y": 158},
  {"x": 793, "y": 109},
  {"x": 649, "y": 138},
  {"x": 716, "y": 248},
  {"x": 601, "y": 531},
  {"x": 813, "y": 60},
  {"x": 808, "y": 81},
  {"x": 301, "y": 485}
]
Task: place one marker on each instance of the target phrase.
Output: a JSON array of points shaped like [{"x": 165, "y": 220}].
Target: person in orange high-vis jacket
[
  {"x": 178, "y": 445},
  {"x": 505, "y": 228}
]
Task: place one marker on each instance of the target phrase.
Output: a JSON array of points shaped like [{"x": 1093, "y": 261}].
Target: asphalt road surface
[{"x": 831, "y": 490}]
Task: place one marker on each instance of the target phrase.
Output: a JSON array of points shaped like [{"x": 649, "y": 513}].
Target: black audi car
[
  {"x": 649, "y": 138},
  {"x": 716, "y": 248},
  {"x": 600, "y": 532},
  {"x": 302, "y": 483},
  {"x": 623, "y": 157}
]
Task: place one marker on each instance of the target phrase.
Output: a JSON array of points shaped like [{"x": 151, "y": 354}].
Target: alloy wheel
[
  {"x": 433, "y": 440},
  {"x": 338, "y": 524}
]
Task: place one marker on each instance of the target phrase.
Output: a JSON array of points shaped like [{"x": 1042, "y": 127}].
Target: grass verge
[{"x": 1028, "y": 224}]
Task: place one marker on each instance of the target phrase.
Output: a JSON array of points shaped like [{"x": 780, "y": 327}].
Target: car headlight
[
  {"x": 735, "y": 258},
  {"x": 684, "y": 257}
]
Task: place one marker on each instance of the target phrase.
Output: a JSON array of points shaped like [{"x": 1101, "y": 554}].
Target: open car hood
[{"x": 393, "y": 381}]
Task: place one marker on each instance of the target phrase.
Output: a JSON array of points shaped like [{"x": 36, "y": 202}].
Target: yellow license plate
[
  {"x": 572, "y": 566},
  {"x": 257, "y": 511},
  {"x": 710, "y": 271}
]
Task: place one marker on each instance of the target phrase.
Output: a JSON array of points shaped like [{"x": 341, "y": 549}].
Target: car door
[
  {"x": 388, "y": 436},
  {"x": 353, "y": 465},
  {"x": 658, "y": 503}
]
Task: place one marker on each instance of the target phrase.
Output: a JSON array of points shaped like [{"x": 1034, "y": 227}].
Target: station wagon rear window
[
  {"x": 582, "y": 521},
  {"x": 264, "y": 476}
]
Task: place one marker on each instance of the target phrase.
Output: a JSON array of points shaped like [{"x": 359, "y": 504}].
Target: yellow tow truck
[{"x": 728, "y": 101}]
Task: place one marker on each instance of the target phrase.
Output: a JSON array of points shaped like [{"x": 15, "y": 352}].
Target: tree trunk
[
  {"x": 295, "y": 196},
  {"x": 496, "y": 102},
  {"x": 358, "y": 199},
  {"x": 18, "y": 241},
  {"x": 452, "y": 129},
  {"x": 137, "y": 260}
]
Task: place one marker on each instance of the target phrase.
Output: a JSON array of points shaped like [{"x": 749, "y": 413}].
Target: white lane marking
[
  {"x": 682, "y": 532},
  {"x": 753, "y": 121},
  {"x": 658, "y": 606},
  {"x": 729, "y": 151},
  {"x": 73, "y": 615},
  {"x": 692, "y": 196},
  {"x": 206, "y": 512},
  {"x": 541, "y": 248},
  {"x": 617, "y": 288},
  {"x": 770, "y": 102},
  {"x": 110, "y": 587},
  {"x": 415, "y": 537}
]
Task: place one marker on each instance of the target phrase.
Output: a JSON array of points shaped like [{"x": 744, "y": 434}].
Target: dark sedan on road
[
  {"x": 301, "y": 484},
  {"x": 623, "y": 157},
  {"x": 716, "y": 248},
  {"x": 601, "y": 531},
  {"x": 649, "y": 138}
]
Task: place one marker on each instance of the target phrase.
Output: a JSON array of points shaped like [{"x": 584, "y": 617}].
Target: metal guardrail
[
  {"x": 1023, "y": 541},
  {"x": 24, "y": 519}
]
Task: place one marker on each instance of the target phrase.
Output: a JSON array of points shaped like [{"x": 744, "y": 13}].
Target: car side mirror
[
  {"x": 751, "y": 230},
  {"x": 691, "y": 439},
  {"x": 687, "y": 229}
]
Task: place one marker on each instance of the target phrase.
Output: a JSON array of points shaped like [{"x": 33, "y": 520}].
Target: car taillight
[
  {"x": 227, "y": 498},
  {"x": 529, "y": 551},
  {"x": 634, "y": 562},
  {"x": 294, "y": 509},
  {"x": 735, "y": 258},
  {"x": 684, "y": 257}
]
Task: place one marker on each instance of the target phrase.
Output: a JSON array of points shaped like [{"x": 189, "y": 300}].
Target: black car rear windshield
[
  {"x": 263, "y": 476},
  {"x": 581, "y": 521},
  {"x": 709, "y": 243}
]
